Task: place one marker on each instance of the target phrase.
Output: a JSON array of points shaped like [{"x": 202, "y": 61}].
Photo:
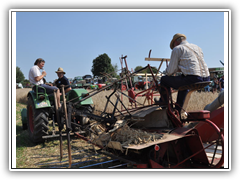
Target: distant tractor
[
  {"x": 78, "y": 82},
  {"x": 89, "y": 81},
  {"x": 140, "y": 83}
]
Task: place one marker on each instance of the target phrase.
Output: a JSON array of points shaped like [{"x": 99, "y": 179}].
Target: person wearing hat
[
  {"x": 62, "y": 80},
  {"x": 188, "y": 59}
]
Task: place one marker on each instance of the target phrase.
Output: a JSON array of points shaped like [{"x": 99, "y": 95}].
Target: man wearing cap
[
  {"x": 62, "y": 80},
  {"x": 185, "y": 58}
]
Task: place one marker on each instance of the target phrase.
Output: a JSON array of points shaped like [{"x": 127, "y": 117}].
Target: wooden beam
[
  {"x": 143, "y": 74},
  {"x": 157, "y": 59}
]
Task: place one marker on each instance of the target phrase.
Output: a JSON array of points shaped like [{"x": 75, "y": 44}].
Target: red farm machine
[{"x": 147, "y": 136}]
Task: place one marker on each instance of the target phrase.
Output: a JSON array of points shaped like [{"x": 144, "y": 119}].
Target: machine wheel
[
  {"x": 82, "y": 120},
  {"x": 136, "y": 86},
  {"x": 37, "y": 120}
]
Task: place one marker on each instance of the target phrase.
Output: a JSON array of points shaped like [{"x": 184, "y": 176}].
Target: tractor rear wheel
[
  {"x": 37, "y": 120},
  {"x": 136, "y": 87}
]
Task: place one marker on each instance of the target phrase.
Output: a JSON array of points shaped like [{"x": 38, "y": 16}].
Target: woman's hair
[{"x": 39, "y": 60}]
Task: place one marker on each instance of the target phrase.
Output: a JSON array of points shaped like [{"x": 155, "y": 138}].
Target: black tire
[
  {"x": 136, "y": 86},
  {"x": 37, "y": 122},
  {"x": 24, "y": 126}
]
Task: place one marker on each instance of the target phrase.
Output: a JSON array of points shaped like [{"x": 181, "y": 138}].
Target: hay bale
[
  {"x": 197, "y": 100},
  {"x": 21, "y": 95}
]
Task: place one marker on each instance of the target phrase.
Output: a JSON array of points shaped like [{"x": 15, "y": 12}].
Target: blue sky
[{"x": 72, "y": 40}]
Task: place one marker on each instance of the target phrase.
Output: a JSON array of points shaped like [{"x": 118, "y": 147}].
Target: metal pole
[
  {"x": 121, "y": 82},
  {"x": 68, "y": 128},
  {"x": 127, "y": 70}
]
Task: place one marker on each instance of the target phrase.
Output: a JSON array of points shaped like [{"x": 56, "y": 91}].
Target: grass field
[{"x": 46, "y": 155}]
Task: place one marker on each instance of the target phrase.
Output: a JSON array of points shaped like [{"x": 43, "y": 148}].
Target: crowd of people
[{"x": 216, "y": 85}]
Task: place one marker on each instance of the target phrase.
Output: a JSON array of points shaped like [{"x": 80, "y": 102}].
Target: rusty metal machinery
[{"x": 148, "y": 135}]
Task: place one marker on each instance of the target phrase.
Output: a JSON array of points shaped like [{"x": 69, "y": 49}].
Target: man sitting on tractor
[
  {"x": 188, "y": 59},
  {"x": 36, "y": 78},
  {"x": 62, "y": 80}
]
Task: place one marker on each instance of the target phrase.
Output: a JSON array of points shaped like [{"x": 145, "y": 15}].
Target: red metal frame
[
  {"x": 192, "y": 137},
  {"x": 178, "y": 123},
  {"x": 205, "y": 130}
]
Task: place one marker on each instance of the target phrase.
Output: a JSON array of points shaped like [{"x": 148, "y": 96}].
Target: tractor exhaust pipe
[{"x": 216, "y": 103}]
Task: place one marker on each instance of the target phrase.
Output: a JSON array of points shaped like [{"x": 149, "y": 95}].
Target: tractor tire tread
[{"x": 40, "y": 123}]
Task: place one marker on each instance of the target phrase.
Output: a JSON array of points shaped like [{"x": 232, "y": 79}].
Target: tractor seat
[
  {"x": 41, "y": 92},
  {"x": 195, "y": 86}
]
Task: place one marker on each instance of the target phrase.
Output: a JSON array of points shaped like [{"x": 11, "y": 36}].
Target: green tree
[
  {"x": 26, "y": 83},
  {"x": 154, "y": 69},
  {"x": 102, "y": 64},
  {"x": 140, "y": 67},
  {"x": 19, "y": 75}
]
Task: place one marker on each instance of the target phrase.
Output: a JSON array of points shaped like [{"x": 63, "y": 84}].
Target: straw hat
[
  {"x": 178, "y": 35},
  {"x": 60, "y": 70}
]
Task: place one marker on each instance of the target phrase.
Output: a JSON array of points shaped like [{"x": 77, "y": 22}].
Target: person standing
[
  {"x": 221, "y": 83},
  {"x": 215, "y": 84}
]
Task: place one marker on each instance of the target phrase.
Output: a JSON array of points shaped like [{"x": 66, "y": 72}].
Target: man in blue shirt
[{"x": 62, "y": 80}]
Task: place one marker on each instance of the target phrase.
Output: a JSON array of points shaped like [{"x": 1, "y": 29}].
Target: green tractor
[
  {"x": 41, "y": 110},
  {"x": 78, "y": 82}
]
